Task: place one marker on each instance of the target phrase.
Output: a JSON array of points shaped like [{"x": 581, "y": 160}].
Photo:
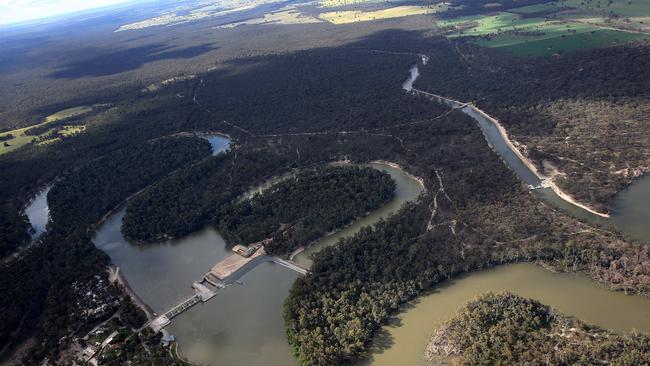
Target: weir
[{"x": 221, "y": 275}]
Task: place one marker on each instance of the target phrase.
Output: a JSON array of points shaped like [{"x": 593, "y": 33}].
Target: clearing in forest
[
  {"x": 533, "y": 36},
  {"x": 12, "y": 140},
  {"x": 351, "y": 16}
]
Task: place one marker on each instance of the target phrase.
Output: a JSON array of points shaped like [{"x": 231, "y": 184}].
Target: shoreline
[
  {"x": 420, "y": 181},
  {"x": 404, "y": 171},
  {"x": 116, "y": 275},
  {"x": 547, "y": 182},
  {"x": 311, "y": 244}
]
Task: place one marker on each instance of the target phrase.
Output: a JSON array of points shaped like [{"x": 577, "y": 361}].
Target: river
[
  {"x": 404, "y": 339},
  {"x": 38, "y": 213},
  {"x": 402, "y": 342},
  {"x": 243, "y": 324},
  {"x": 630, "y": 211},
  {"x": 407, "y": 189}
]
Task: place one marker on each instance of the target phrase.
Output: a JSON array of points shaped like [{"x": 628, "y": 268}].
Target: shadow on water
[{"x": 103, "y": 64}]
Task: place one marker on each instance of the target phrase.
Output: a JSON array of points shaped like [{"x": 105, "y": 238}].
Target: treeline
[
  {"x": 299, "y": 210},
  {"x": 90, "y": 192},
  {"x": 42, "y": 295},
  {"x": 488, "y": 219},
  {"x": 508, "y": 329},
  {"x": 14, "y": 229},
  {"x": 473, "y": 7},
  {"x": 191, "y": 198},
  {"x": 583, "y": 112}
]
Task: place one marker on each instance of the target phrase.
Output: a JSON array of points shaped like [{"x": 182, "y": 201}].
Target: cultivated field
[
  {"x": 340, "y": 3},
  {"x": 351, "y": 16},
  {"x": 288, "y": 15},
  {"x": 551, "y": 28}
]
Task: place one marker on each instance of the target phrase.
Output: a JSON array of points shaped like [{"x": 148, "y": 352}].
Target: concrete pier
[{"x": 218, "y": 278}]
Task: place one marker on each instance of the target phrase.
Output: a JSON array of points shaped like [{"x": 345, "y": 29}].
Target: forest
[
  {"x": 103, "y": 179},
  {"x": 192, "y": 197},
  {"x": 583, "y": 113},
  {"x": 509, "y": 329},
  {"x": 333, "y": 313},
  {"x": 90, "y": 182},
  {"x": 299, "y": 210},
  {"x": 41, "y": 285},
  {"x": 14, "y": 229},
  {"x": 476, "y": 213}
]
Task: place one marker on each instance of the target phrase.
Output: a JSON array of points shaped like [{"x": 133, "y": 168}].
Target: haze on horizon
[{"x": 19, "y": 11}]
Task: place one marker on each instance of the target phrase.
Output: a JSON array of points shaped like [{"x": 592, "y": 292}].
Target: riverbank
[
  {"x": 400, "y": 168},
  {"x": 115, "y": 274},
  {"x": 574, "y": 294},
  {"x": 546, "y": 182},
  {"x": 477, "y": 331}
]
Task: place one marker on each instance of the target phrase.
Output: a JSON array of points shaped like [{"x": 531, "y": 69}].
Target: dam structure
[{"x": 224, "y": 273}]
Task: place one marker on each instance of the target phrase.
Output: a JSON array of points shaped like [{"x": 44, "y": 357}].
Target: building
[{"x": 244, "y": 251}]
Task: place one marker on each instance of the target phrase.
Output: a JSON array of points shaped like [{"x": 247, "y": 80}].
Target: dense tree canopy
[
  {"x": 338, "y": 103},
  {"x": 508, "y": 329},
  {"x": 14, "y": 229},
  {"x": 303, "y": 208},
  {"x": 111, "y": 178}
]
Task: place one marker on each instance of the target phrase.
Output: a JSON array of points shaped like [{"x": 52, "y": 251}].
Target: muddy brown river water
[{"x": 243, "y": 325}]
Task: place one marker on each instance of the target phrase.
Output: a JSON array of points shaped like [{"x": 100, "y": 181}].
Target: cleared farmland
[{"x": 525, "y": 36}]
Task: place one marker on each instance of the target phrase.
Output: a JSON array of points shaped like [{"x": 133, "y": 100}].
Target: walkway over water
[{"x": 224, "y": 273}]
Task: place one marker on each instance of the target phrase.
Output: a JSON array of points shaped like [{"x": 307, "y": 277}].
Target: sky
[{"x": 15, "y": 11}]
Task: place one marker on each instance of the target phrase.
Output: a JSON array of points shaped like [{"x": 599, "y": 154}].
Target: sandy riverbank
[
  {"x": 397, "y": 166},
  {"x": 115, "y": 274},
  {"x": 546, "y": 181}
]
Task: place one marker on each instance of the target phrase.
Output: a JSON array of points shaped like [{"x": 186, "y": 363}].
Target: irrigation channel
[{"x": 244, "y": 325}]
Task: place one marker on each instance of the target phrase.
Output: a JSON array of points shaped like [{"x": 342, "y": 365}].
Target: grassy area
[
  {"x": 624, "y": 8},
  {"x": 68, "y": 113},
  {"x": 20, "y": 138},
  {"x": 339, "y": 3},
  {"x": 289, "y": 15},
  {"x": 600, "y": 38},
  {"x": 533, "y": 36},
  {"x": 506, "y": 24},
  {"x": 351, "y": 16},
  {"x": 622, "y": 14},
  {"x": 196, "y": 12}
]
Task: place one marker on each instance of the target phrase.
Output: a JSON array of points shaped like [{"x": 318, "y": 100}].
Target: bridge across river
[{"x": 212, "y": 282}]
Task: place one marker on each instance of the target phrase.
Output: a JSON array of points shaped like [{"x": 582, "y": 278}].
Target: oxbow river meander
[{"x": 244, "y": 325}]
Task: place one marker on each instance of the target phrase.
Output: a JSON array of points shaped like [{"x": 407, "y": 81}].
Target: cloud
[{"x": 15, "y": 11}]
